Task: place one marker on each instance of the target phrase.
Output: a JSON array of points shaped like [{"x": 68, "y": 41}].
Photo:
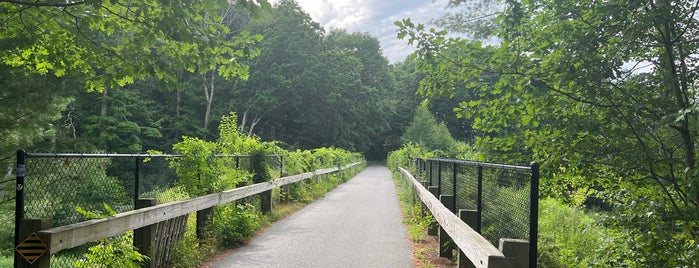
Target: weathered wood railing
[
  {"x": 478, "y": 251},
  {"x": 73, "y": 235}
]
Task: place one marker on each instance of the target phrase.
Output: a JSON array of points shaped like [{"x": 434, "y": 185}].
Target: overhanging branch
[{"x": 40, "y": 4}]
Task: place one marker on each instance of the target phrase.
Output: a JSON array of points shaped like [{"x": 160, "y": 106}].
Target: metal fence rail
[{"x": 504, "y": 197}]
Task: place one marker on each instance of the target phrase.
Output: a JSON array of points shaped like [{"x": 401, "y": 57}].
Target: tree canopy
[
  {"x": 107, "y": 44},
  {"x": 602, "y": 90},
  {"x": 129, "y": 77}
]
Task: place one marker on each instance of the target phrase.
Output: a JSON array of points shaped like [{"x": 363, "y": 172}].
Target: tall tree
[
  {"x": 109, "y": 44},
  {"x": 606, "y": 90},
  {"x": 274, "y": 94}
]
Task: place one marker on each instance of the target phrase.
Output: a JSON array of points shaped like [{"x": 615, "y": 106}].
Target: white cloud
[{"x": 374, "y": 17}]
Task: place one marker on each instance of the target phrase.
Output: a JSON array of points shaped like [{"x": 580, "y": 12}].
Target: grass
[
  {"x": 425, "y": 248},
  {"x": 6, "y": 261}
]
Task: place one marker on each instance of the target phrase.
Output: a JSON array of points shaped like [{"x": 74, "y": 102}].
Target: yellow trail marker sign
[{"x": 31, "y": 248}]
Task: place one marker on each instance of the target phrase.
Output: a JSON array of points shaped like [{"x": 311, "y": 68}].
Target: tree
[
  {"x": 109, "y": 44},
  {"x": 29, "y": 104},
  {"x": 402, "y": 99},
  {"x": 274, "y": 93},
  {"x": 605, "y": 90},
  {"x": 428, "y": 133},
  {"x": 475, "y": 18}
]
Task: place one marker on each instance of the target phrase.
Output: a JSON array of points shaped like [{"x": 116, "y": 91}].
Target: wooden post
[
  {"x": 433, "y": 228},
  {"x": 470, "y": 218},
  {"x": 203, "y": 220},
  {"x": 144, "y": 237},
  {"x": 266, "y": 201},
  {"x": 285, "y": 193},
  {"x": 446, "y": 245},
  {"x": 40, "y": 256},
  {"x": 517, "y": 249}
]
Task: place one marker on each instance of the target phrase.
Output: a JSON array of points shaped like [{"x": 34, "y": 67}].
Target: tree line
[{"x": 113, "y": 76}]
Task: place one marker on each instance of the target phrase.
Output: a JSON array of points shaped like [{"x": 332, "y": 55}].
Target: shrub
[
  {"x": 235, "y": 223},
  {"x": 568, "y": 237},
  {"x": 115, "y": 251}
]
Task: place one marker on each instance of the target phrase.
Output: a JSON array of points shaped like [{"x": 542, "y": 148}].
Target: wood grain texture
[
  {"x": 471, "y": 243},
  {"x": 77, "y": 234}
]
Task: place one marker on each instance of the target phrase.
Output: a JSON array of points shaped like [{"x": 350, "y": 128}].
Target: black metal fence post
[
  {"x": 19, "y": 199},
  {"x": 479, "y": 200},
  {"x": 439, "y": 178},
  {"x": 137, "y": 181},
  {"x": 534, "y": 215},
  {"x": 430, "y": 172},
  {"x": 281, "y": 166},
  {"x": 453, "y": 188}
]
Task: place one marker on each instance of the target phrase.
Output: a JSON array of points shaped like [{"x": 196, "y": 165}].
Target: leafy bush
[
  {"x": 235, "y": 223},
  {"x": 404, "y": 156},
  {"x": 115, "y": 251},
  {"x": 425, "y": 130},
  {"x": 411, "y": 206},
  {"x": 568, "y": 237},
  {"x": 200, "y": 172},
  {"x": 190, "y": 251}
]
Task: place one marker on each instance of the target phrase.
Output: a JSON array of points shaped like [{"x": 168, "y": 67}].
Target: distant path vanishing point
[{"x": 358, "y": 224}]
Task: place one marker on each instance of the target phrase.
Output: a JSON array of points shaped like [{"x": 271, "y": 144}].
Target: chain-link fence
[
  {"x": 54, "y": 185},
  {"x": 7, "y": 206},
  {"x": 503, "y": 197}
]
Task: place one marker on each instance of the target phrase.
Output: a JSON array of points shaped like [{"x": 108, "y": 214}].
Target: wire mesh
[
  {"x": 56, "y": 184},
  {"x": 7, "y": 205},
  {"x": 467, "y": 187},
  {"x": 506, "y": 205},
  {"x": 446, "y": 172},
  {"x": 503, "y": 199},
  {"x": 156, "y": 179}
]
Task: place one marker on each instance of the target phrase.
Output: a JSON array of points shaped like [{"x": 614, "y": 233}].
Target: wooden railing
[
  {"x": 474, "y": 250},
  {"x": 73, "y": 235}
]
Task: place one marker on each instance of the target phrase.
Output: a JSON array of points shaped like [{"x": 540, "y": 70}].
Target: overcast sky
[{"x": 375, "y": 17}]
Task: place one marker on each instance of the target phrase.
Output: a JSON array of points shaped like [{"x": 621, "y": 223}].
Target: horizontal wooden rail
[
  {"x": 77, "y": 234},
  {"x": 471, "y": 243}
]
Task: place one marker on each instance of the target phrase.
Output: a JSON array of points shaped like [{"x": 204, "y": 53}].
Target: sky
[{"x": 375, "y": 17}]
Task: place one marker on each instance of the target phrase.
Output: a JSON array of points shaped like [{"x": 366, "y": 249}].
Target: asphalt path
[{"x": 358, "y": 224}]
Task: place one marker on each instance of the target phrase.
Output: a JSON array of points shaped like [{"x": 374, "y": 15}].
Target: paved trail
[{"x": 356, "y": 225}]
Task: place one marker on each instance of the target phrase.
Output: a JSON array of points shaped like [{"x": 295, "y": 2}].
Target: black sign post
[{"x": 19, "y": 199}]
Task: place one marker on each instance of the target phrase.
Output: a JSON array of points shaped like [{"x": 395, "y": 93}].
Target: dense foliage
[
  {"x": 127, "y": 77},
  {"x": 603, "y": 93},
  {"x": 103, "y": 46},
  {"x": 116, "y": 251},
  {"x": 102, "y": 79},
  {"x": 200, "y": 172}
]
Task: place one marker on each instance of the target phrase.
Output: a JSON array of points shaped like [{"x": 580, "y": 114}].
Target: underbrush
[{"x": 572, "y": 237}]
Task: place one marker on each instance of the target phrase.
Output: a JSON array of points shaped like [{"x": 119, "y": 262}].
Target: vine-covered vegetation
[{"x": 199, "y": 172}]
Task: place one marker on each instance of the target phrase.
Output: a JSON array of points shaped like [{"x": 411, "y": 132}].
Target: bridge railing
[
  {"x": 499, "y": 203},
  {"x": 39, "y": 237}
]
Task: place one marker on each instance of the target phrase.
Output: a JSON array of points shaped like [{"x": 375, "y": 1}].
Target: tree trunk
[
  {"x": 209, "y": 93},
  {"x": 103, "y": 113},
  {"x": 177, "y": 103},
  {"x": 252, "y": 125},
  {"x": 243, "y": 121}
]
